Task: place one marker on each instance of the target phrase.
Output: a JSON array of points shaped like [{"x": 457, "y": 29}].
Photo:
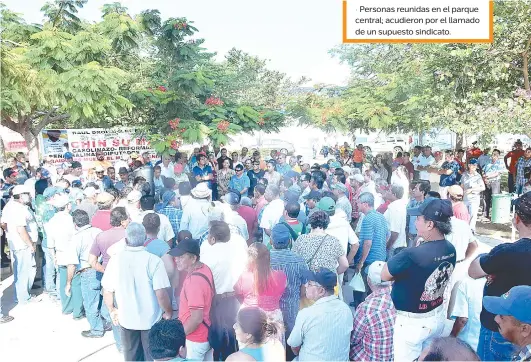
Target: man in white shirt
[
  {"x": 138, "y": 280},
  {"x": 195, "y": 211},
  {"x": 396, "y": 215},
  {"x": 21, "y": 232},
  {"x": 166, "y": 167},
  {"x": 424, "y": 162},
  {"x": 272, "y": 213},
  {"x": 59, "y": 231},
  {"x": 415, "y": 161},
  {"x": 147, "y": 204}
]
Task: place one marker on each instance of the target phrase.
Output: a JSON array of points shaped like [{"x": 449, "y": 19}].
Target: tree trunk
[
  {"x": 32, "y": 142},
  {"x": 459, "y": 140}
]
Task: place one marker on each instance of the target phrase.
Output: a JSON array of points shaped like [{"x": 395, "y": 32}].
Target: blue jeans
[
  {"x": 116, "y": 330},
  {"x": 25, "y": 269},
  {"x": 49, "y": 271},
  {"x": 493, "y": 347},
  {"x": 91, "y": 292},
  {"x": 74, "y": 302}
]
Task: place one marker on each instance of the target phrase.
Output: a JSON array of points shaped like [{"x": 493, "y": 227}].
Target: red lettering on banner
[
  {"x": 102, "y": 143},
  {"x": 140, "y": 141},
  {"x": 126, "y": 142},
  {"x": 115, "y": 142}
]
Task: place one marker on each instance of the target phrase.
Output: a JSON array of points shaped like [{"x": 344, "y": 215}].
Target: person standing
[
  {"x": 166, "y": 167},
  {"x": 272, "y": 176},
  {"x": 514, "y": 155},
  {"x": 282, "y": 258},
  {"x": 224, "y": 176},
  {"x": 254, "y": 175},
  {"x": 420, "y": 277},
  {"x": 196, "y": 299},
  {"x": 523, "y": 166},
  {"x": 282, "y": 167},
  {"x": 202, "y": 172},
  {"x": 505, "y": 266},
  {"x": 373, "y": 241},
  {"x": 240, "y": 181},
  {"x": 418, "y": 193},
  {"x": 102, "y": 217},
  {"x": 492, "y": 171},
  {"x": 21, "y": 229},
  {"x": 272, "y": 213},
  {"x": 358, "y": 157},
  {"x": 81, "y": 277},
  {"x": 449, "y": 173},
  {"x": 322, "y": 331},
  {"x": 169, "y": 207},
  {"x": 473, "y": 186},
  {"x": 195, "y": 218},
  {"x": 374, "y": 321},
  {"x": 425, "y": 160},
  {"x": 138, "y": 281}
]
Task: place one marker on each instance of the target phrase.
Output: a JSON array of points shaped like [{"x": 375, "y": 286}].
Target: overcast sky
[{"x": 295, "y": 35}]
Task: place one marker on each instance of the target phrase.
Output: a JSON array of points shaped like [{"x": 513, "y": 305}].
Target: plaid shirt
[
  {"x": 522, "y": 163},
  {"x": 374, "y": 321},
  {"x": 524, "y": 355},
  {"x": 174, "y": 215}
]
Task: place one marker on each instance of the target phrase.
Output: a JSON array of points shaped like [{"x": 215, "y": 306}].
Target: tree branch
[
  {"x": 9, "y": 123},
  {"x": 515, "y": 67},
  {"x": 47, "y": 120}
]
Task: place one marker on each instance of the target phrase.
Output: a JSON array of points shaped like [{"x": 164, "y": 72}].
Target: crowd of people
[{"x": 211, "y": 257}]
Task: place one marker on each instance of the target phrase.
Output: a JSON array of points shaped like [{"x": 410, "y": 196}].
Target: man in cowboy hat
[{"x": 195, "y": 215}]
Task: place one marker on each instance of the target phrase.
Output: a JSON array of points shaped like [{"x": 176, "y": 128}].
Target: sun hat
[{"x": 201, "y": 191}]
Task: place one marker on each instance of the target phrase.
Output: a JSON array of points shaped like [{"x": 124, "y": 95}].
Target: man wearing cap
[
  {"x": 124, "y": 179},
  {"x": 69, "y": 158},
  {"x": 505, "y": 266},
  {"x": 76, "y": 173},
  {"x": 374, "y": 321},
  {"x": 196, "y": 299},
  {"x": 60, "y": 230},
  {"x": 311, "y": 201},
  {"x": 102, "y": 217},
  {"x": 343, "y": 203},
  {"x": 455, "y": 195},
  {"x": 81, "y": 283},
  {"x": 473, "y": 186},
  {"x": 322, "y": 330},
  {"x": 21, "y": 230},
  {"x": 448, "y": 172},
  {"x": 122, "y": 162},
  {"x": 282, "y": 258},
  {"x": 240, "y": 182},
  {"x": 513, "y": 316},
  {"x": 89, "y": 202},
  {"x": 138, "y": 281},
  {"x": 10, "y": 176},
  {"x": 103, "y": 181},
  {"x": 272, "y": 176},
  {"x": 420, "y": 276},
  {"x": 101, "y": 162},
  {"x": 195, "y": 218}
]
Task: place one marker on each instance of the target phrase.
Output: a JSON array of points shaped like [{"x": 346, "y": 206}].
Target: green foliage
[{"x": 63, "y": 14}]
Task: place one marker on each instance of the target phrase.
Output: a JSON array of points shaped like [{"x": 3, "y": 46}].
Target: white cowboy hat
[{"x": 201, "y": 191}]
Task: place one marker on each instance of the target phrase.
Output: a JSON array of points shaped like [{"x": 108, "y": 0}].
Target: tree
[{"x": 62, "y": 14}]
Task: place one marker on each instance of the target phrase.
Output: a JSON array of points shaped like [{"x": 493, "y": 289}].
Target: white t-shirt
[
  {"x": 226, "y": 261},
  {"x": 134, "y": 275},
  {"x": 59, "y": 232},
  {"x": 270, "y": 217},
  {"x": 341, "y": 229},
  {"x": 468, "y": 303},
  {"x": 166, "y": 232},
  {"x": 14, "y": 215},
  {"x": 425, "y": 161},
  {"x": 396, "y": 215},
  {"x": 460, "y": 237},
  {"x": 167, "y": 171}
]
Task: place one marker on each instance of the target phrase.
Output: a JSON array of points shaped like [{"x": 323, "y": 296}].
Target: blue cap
[
  {"x": 313, "y": 195},
  {"x": 473, "y": 161},
  {"x": 325, "y": 277},
  {"x": 51, "y": 191},
  {"x": 280, "y": 236},
  {"x": 516, "y": 303},
  {"x": 325, "y": 165},
  {"x": 232, "y": 197},
  {"x": 291, "y": 196},
  {"x": 166, "y": 198},
  {"x": 45, "y": 173},
  {"x": 433, "y": 209},
  {"x": 335, "y": 164},
  {"x": 68, "y": 155},
  {"x": 292, "y": 174}
]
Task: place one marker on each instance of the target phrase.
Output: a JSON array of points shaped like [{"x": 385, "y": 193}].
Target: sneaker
[
  {"x": 33, "y": 299},
  {"x": 107, "y": 327},
  {"x": 89, "y": 334},
  {"x": 6, "y": 319}
]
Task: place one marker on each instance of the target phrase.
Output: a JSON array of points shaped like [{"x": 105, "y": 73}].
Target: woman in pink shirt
[
  {"x": 259, "y": 285},
  {"x": 259, "y": 199}
]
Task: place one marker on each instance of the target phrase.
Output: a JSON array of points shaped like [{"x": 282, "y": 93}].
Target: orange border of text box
[{"x": 489, "y": 40}]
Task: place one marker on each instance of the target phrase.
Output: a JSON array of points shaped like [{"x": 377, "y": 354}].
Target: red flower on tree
[
  {"x": 174, "y": 123},
  {"x": 174, "y": 145},
  {"x": 213, "y": 101},
  {"x": 161, "y": 88},
  {"x": 223, "y": 126}
]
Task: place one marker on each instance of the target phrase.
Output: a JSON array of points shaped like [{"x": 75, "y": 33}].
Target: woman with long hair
[
  {"x": 379, "y": 167},
  {"x": 224, "y": 175},
  {"x": 259, "y": 285},
  {"x": 259, "y": 334}
]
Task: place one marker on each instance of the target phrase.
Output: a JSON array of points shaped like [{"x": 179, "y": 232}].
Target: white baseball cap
[
  {"x": 134, "y": 196},
  {"x": 61, "y": 200},
  {"x": 20, "y": 189},
  {"x": 90, "y": 192},
  {"x": 374, "y": 273}
]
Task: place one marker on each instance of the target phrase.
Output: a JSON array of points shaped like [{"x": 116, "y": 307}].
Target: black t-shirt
[
  {"x": 507, "y": 266},
  {"x": 421, "y": 275},
  {"x": 254, "y": 177}
]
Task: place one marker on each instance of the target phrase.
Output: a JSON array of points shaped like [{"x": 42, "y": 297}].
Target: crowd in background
[{"x": 237, "y": 256}]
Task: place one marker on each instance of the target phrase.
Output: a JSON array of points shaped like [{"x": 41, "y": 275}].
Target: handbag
[{"x": 357, "y": 283}]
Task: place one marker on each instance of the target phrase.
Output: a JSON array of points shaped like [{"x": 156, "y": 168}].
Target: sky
[{"x": 294, "y": 35}]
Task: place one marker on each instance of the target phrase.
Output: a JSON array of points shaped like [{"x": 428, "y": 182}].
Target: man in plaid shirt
[
  {"x": 523, "y": 163},
  {"x": 168, "y": 207},
  {"x": 374, "y": 321}
]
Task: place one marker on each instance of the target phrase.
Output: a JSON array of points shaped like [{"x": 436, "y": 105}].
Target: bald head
[{"x": 448, "y": 349}]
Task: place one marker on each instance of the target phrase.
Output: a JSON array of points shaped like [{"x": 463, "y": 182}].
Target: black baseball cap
[
  {"x": 313, "y": 195},
  {"x": 239, "y": 167},
  {"x": 76, "y": 164},
  {"x": 433, "y": 209},
  {"x": 186, "y": 246},
  {"x": 325, "y": 165},
  {"x": 291, "y": 196}
]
